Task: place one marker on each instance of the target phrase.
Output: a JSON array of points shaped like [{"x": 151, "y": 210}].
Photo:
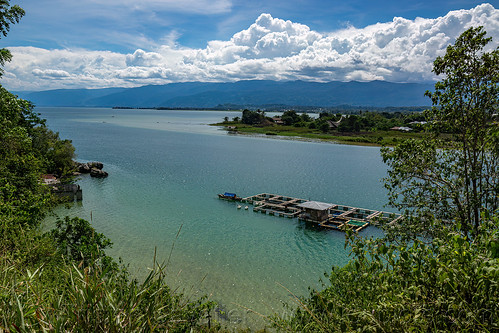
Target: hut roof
[{"x": 315, "y": 205}]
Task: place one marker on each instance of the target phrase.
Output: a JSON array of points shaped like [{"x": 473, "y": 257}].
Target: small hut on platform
[{"x": 315, "y": 210}]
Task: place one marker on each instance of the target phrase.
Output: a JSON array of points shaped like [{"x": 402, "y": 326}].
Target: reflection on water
[{"x": 166, "y": 169}]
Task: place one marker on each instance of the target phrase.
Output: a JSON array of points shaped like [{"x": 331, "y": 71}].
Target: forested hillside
[{"x": 241, "y": 94}]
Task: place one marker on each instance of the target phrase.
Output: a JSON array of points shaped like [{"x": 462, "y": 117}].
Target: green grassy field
[{"x": 377, "y": 138}]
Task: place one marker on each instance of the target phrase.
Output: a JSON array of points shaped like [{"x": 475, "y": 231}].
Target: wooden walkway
[{"x": 339, "y": 217}]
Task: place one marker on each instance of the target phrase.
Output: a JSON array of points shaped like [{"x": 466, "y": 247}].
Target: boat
[
  {"x": 229, "y": 196},
  {"x": 238, "y": 206}
]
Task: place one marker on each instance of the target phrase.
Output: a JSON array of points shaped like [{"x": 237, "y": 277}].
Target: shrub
[{"x": 449, "y": 284}]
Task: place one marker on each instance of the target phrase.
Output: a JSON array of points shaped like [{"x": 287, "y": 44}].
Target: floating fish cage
[{"x": 329, "y": 216}]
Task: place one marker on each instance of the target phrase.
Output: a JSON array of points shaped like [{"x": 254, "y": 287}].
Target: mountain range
[{"x": 241, "y": 93}]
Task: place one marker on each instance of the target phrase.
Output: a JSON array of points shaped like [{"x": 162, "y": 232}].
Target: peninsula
[{"x": 363, "y": 128}]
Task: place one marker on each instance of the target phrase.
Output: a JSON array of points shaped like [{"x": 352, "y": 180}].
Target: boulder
[
  {"x": 93, "y": 168},
  {"x": 96, "y": 165},
  {"x": 98, "y": 173},
  {"x": 87, "y": 167},
  {"x": 83, "y": 168}
]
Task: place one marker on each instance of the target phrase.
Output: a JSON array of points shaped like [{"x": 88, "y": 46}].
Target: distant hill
[
  {"x": 242, "y": 93},
  {"x": 66, "y": 97}
]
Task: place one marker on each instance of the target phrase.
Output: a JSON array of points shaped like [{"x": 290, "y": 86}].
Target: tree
[
  {"x": 290, "y": 117},
  {"x": 41, "y": 292},
  {"x": 252, "y": 117},
  {"x": 8, "y": 15},
  {"x": 18, "y": 112},
  {"x": 78, "y": 241},
  {"x": 352, "y": 123},
  {"x": 19, "y": 116},
  {"x": 448, "y": 285},
  {"x": 461, "y": 181},
  {"x": 23, "y": 200},
  {"x": 306, "y": 118},
  {"x": 55, "y": 154},
  {"x": 324, "y": 127}
]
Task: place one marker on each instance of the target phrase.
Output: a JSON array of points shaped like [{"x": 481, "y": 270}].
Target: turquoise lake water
[{"x": 166, "y": 169}]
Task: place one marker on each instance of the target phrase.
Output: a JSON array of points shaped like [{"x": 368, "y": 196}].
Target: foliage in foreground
[
  {"x": 62, "y": 280},
  {"x": 77, "y": 241},
  {"x": 447, "y": 285},
  {"x": 458, "y": 183},
  {"x": 88, "y": 299},
  {"x": 437, "y": 270}
]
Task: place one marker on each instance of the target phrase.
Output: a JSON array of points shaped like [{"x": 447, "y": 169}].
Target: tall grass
[{"x": 73, "y": 298}]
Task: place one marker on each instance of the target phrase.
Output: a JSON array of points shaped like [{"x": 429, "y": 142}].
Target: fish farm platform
[{"x": 325, "y": 215}]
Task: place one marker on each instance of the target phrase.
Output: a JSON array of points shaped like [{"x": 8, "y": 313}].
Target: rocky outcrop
[
  {"x": 96, "y": 165},
  {"x": 93, "y": 168},
  {"x": 82, "y": 167},
  {"x": 98, "y": 173},
  {"x": 69, "y": 192}
]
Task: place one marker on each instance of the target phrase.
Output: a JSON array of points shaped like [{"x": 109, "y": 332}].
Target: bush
[
  {"x": 324, "y": 127},
  {"x": 252, "y": 117},
  {"x": 449, "y": 284},
  {"x": 77, "y": 241}
]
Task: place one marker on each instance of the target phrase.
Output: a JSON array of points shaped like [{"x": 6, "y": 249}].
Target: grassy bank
[{"x": 375, "y": 138}]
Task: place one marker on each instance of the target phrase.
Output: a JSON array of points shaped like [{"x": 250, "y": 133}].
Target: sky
[{"x": 127, "y": 43}]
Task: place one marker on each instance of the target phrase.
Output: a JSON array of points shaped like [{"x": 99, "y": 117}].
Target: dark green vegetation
[
  {"x": 364, "y": 127},
  {"x": 448, "y": 285},
  {"x": 447, "y": 280},
  {"x": 62, "y": 280},
  {"x": 461, "y": 182}
]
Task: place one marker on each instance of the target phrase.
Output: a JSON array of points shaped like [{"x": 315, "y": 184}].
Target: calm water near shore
[{"x": 166, "y": 168}]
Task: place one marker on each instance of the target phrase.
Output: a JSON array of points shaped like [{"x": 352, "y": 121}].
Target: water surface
[{"x": 166, "y": 169}]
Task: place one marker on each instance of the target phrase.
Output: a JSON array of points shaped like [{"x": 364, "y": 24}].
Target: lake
[{"x": 165, "y": 171}]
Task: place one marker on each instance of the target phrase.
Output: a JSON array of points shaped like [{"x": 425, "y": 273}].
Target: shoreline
[
  {"x": 305, "y": 139},
  {"x": 369, "y": 139}
]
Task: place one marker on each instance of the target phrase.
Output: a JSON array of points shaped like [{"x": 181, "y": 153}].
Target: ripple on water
[{"x": 167, "y": 177}]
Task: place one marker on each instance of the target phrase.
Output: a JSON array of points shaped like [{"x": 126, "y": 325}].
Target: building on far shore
[
  {"x": 401, "y": 128},
  {"x": 278, "y": 120}
]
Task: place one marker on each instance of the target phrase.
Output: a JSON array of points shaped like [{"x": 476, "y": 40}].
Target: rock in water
[
  {"x": 94, "y": 172},
  {"x": 96, "y": 165},
  {"x": 87, "y": 167},
  {"x": 83, "y": 167},
  {"x": 93, "y": 168}
]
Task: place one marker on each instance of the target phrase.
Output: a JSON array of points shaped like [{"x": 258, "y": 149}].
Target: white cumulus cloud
[
  {"x": 271, "y": 48},
  {"x": 50, "y": 73},
  {"x": 142, "y": 58}
]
